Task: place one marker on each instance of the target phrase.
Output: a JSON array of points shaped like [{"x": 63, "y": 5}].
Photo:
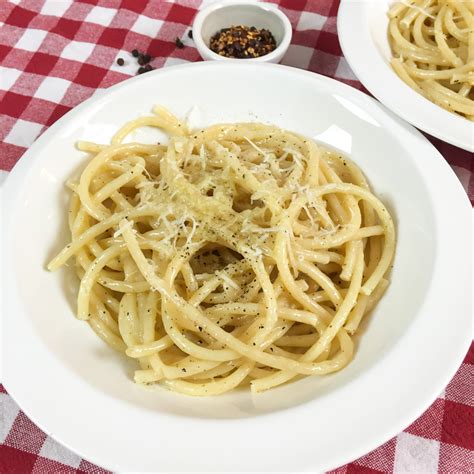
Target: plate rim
[
  {"x": 21, "y": 168},
  {"x": 377, "y": 77}
]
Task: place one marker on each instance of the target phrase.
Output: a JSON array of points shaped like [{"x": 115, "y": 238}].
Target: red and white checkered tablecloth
[{"x": 54, "y": 54}]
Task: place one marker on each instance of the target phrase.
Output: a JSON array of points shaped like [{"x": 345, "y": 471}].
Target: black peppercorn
[
  {"x": 135, "y": 53},
  {"x": 120, "y": 62}
]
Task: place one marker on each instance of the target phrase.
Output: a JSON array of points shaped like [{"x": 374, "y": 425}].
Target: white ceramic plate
[
  {"x": 362, "y": 28},
  {"x": 81, "y": 393}
]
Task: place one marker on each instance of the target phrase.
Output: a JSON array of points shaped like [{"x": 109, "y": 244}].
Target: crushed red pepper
[{"x": 243, "y": 42}]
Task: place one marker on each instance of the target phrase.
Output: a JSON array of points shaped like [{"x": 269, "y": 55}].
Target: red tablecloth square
[
  {"x": 20, "y": 17},
  {"x": 458, "y": 423}
]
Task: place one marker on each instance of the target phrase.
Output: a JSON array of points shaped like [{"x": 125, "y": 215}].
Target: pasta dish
[
  {"x": 234, "y": 255},
  {"x": 433, "y": 46}
]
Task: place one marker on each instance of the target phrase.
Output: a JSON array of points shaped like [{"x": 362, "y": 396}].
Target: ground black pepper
[{"x": 242, "y": 42}]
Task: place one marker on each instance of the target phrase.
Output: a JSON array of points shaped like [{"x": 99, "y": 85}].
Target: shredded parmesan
[
  {"x": 412, "y": 5},
  {"x": 119, "y": 231}
]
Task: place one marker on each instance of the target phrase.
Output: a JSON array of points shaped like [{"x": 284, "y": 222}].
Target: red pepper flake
[{"x": 242, "y": 42}]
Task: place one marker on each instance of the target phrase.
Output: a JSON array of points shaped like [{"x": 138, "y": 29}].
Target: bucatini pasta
[
  {"x": 240, "y": 253},
  {"x": 433, "y": 47}
]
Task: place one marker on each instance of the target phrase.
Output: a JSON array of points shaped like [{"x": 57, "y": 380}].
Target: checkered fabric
[{"x": 54, "y": 54}]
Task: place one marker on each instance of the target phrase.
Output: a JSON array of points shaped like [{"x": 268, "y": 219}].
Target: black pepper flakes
[{"x": 242, "y": 42}]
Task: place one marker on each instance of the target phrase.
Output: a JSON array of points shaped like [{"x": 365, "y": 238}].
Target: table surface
[{"x": 54, "y": 54}]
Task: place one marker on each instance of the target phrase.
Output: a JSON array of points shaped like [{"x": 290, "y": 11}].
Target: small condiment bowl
[{"x": 216, "y": 16}]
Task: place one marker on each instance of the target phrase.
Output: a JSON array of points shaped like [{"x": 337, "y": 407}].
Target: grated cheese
[{"x": 128, "y": 225}]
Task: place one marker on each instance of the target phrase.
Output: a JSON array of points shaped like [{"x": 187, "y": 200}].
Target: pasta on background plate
[
  {"x": 238, "y": 254},
  {"x": 433, "y": 47}
]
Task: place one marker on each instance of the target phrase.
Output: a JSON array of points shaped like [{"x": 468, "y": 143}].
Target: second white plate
[{"x": 362, "y": 29}]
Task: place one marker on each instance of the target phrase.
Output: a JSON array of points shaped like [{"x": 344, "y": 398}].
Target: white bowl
[
  {"x": 81, "y": 392},
  {"x": 220, "y": 15},
  {"x": 362, "y": 26}
]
